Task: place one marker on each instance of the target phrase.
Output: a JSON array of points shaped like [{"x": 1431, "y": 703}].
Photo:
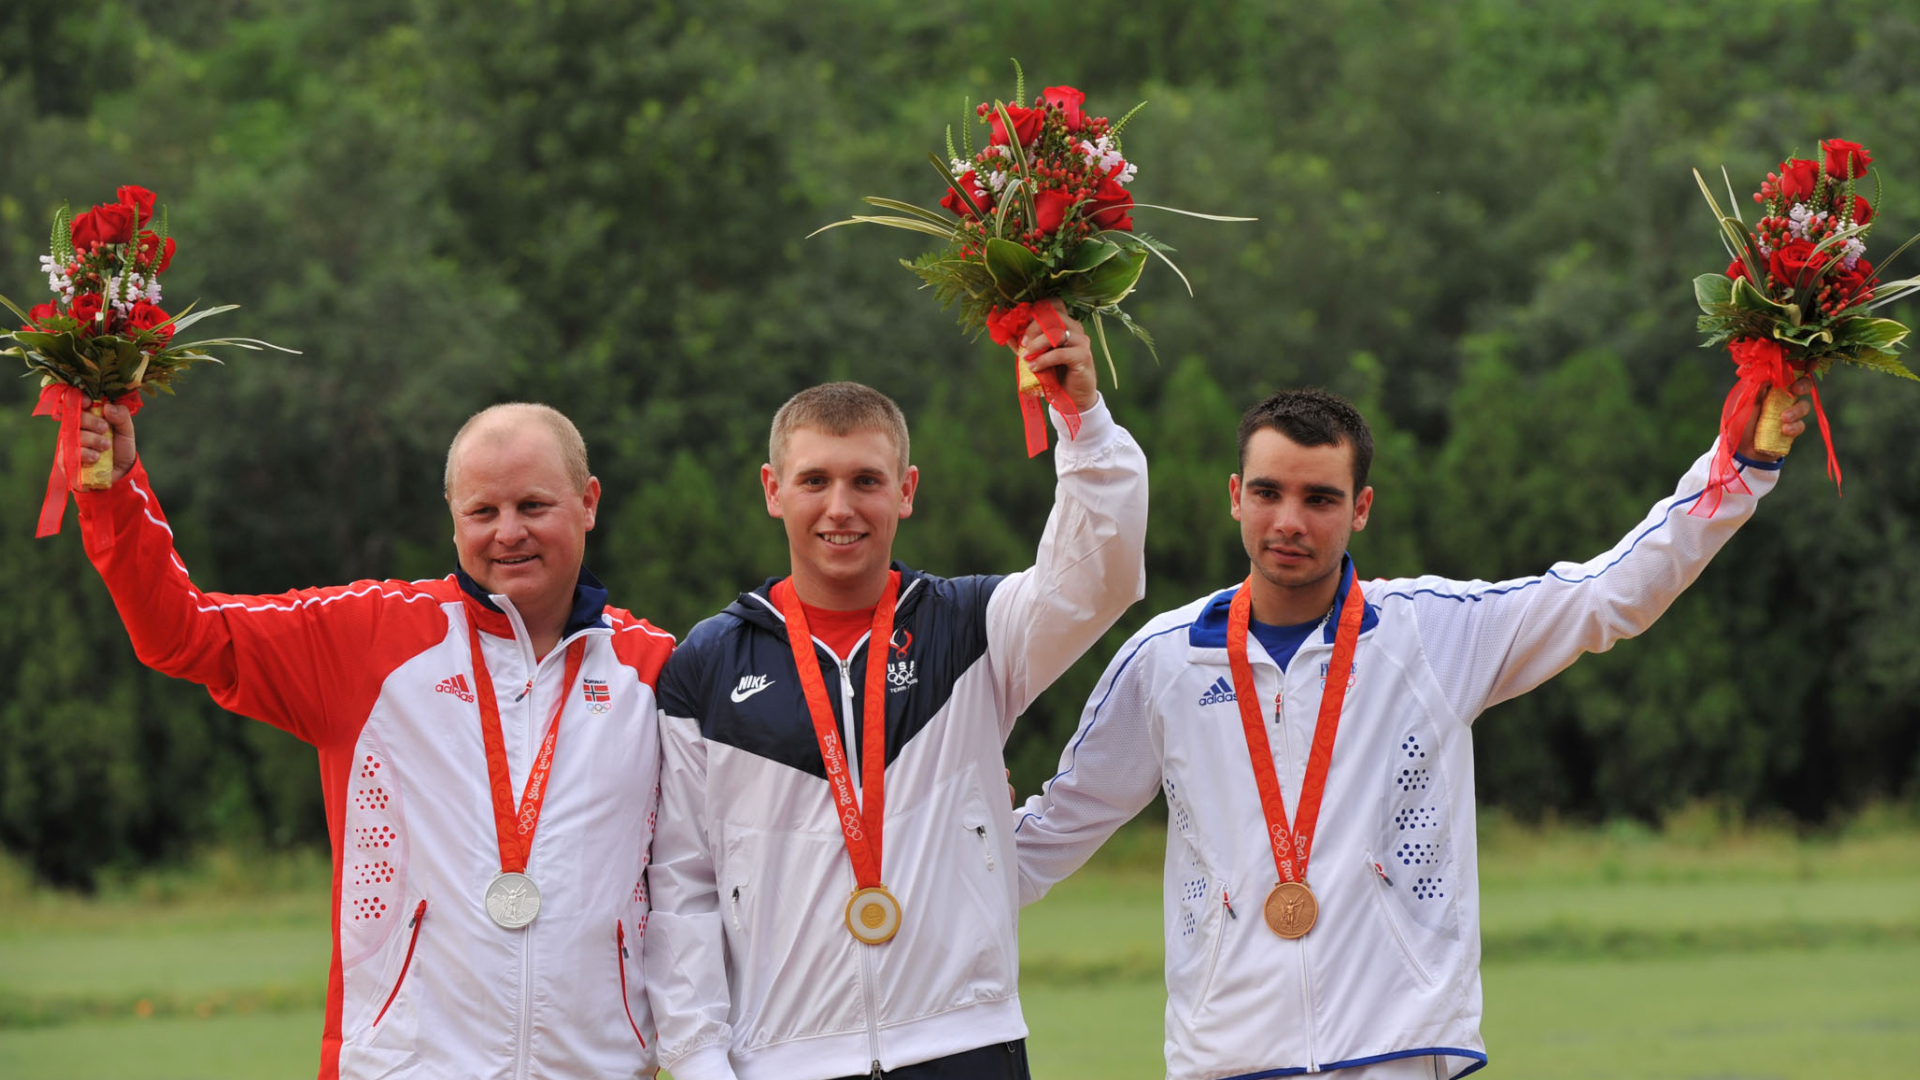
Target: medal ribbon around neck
[
  {"x": 1292, "y": 846},
  {"x": 515, "y": 830},
  {"x": 860, "y": 824}
]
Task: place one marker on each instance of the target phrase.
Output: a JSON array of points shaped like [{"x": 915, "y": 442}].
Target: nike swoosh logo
[{"x": 741, "y": 694}]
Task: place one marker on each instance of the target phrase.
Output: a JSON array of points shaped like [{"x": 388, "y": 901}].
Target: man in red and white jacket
[{"x": 488, "y": 750}]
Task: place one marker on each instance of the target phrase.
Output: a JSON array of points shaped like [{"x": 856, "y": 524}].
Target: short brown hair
[
  {"x": 838, "y": 408},
  {"x": 573, "y": 448},
  {"x": 1312, "y": 417}
]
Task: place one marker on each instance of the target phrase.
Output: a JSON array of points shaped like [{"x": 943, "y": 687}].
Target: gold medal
[
  {"x": 873, "y": 915},
  {"x": 1291, "y": 909}
]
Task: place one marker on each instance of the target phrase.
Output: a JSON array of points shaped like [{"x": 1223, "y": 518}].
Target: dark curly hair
[{"x": 1312, "y": 417}]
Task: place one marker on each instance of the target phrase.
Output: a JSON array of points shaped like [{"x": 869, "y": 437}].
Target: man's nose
[
  {"x": 840, "y": 501},
  {"x": 512, "y": 528}
]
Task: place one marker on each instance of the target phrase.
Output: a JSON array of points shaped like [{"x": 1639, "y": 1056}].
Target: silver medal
[{"x": 512, "y": 900}]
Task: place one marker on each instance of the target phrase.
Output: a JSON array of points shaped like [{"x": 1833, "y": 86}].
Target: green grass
[{"x": 1704, "y": 951}]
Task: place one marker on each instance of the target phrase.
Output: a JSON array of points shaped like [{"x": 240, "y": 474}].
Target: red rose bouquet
[
  {"x": 104, "y": 336},
  {"x": 1044, "y": 210},
  {"x": 1797, "y": 297}
]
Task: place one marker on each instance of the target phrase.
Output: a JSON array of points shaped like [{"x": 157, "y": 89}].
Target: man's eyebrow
[{"x": 1327, "y": 489}]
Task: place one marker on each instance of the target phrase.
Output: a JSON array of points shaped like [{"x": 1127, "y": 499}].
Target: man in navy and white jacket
[
  {"x": 753, "y": 963},
  {"x": 1386, "y": 983}
]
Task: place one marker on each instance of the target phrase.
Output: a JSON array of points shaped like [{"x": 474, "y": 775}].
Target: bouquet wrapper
[
  {"x": 1763, "y": 383},
  {"x": 1035, "y": 392},
  {"x": 64, "y": 404}
]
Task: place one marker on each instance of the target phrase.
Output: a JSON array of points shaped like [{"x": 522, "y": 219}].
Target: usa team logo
[
  {"x": 901, "y": 672},
  {"x": 598, "y": 698}
]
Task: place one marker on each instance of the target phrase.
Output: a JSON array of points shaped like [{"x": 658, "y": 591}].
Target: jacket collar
[
  {"x": 589, "y": 606},
  {"x": 758, "y": 608},
  {"x": 1209, "y": 629}
]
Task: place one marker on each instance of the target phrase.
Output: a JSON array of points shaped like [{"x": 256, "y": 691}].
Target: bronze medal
[
  {"x": 1291, "y": 909},
  {"x": 873, "y": 915}
]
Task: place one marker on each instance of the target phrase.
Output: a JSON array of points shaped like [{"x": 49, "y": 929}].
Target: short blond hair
[
  {"x": 513, "y": 414},
  {"x": 838, "y": 408}
]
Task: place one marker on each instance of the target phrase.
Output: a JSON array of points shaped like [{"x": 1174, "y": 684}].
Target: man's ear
[
  {"x": 591, "y": 499},
  {"x": 770, "y": 483},
  {"x": 1362, "y": 506},
  {"x": 907, "y": 487},
  {"x": 1233, "y": 495}
]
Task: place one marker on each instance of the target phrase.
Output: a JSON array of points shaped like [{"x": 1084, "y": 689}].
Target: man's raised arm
[{"x": 1091, "y": 563}]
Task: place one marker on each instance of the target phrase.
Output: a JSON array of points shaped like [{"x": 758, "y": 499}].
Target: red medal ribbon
[
  {"x": 65, "y": 403},
  {"x": 514, "y": 831},
  {"x": 1761, "y": 366},
  {"x": 1292, "y": 846},
  {"x": 860, "y": 824}
]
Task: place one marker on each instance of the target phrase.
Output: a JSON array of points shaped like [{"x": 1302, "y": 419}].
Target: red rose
[
  {"x": 1050, "y": 209},
  {"x": 1026, "y": 124},
  {"x": 108, "y": 223},
  {"x": 1067, "y": 100},
  {"x": 1797, "y": 178},
  {"x": 38, "y": 314},
  {"x": 1736, "y": 269},
  {"x": 951, "y": 200},
  {"x": 138, "y": 199},
  {"x": 1850, "y": 284},
  {"x": 148, "y": 242},
  {"x": 1843, "y": 156},
  {"x": 86, "y": 307},
  {"x": 148, "y": 316},
  {"x": 1862, "y": 210},
  {"x": 1111, "y": 203},
  {"x": 1790, "y": 260}
]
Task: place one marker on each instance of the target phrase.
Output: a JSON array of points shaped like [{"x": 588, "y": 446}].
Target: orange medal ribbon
[
  {"x": 515, "y": 830},
  {"x": 1293, "y": 845},
  {"x": 860, "y": 824}
]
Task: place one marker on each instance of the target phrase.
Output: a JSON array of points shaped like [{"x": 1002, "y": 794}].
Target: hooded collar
[
  {"x": 589, "y": 606},
  {"x": 1209, "y": 629},
  {"x": 758, "y": 607}
]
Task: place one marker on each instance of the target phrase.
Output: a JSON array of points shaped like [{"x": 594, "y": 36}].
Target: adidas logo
[
  {"x": 457, "y": 686},
  {"x": 1219, "y": 693}
]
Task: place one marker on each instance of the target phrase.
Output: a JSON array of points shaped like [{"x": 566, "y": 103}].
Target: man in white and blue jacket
[
  {"x": 1386, "y": 983},
  {"x": 755, "y": 965}
]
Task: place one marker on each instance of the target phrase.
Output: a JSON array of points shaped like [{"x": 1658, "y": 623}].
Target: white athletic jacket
[
  {"x": 1391, "y": 970},
  {"x": 378, "y": 676},
  {"x": 750, "y": 965}
]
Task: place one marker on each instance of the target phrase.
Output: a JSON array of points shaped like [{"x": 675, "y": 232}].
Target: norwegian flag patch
[{"x": 595, "y": 693}]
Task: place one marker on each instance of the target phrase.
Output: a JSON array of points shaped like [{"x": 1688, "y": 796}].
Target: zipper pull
[
  {"x": 981, "y": 830},
  {"x": 1382, "y": 871},
  {"x": 528, "y": 689},
  {"x": 736, "y": 894},
  {"x": 1227, "y": 900},
  {"x": 875, "y": 1074}
]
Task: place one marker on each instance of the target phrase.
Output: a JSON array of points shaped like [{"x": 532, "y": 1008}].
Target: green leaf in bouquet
[
  {"x": 17, "y": 313},
  {"x": 1088, "y": 255},
  {"x": 1189, "y": 213},
  {"x": 1138, "y": 331},
  {"x": 1013, "y": 267},
  {"x": 1892, "y": 292},
  {"x": 1111, "y": 281},
  {"x": 938, "y": 217},
  {"x": 1808, "y": 336},
  {"x": 1879, "y": 335},
  {"x": 1161, "y": 251},
  {"x": 189, "y": 316},
  {"x": 1106, "y": 350},
  {"x": 944, "y": 232},
  {"x": 62, "y": 238},
  {"x": 1879, "y": 361},
  {"x": 1712, "y": 290},
  {"x": 1114, "y": 129},
  {"x": 1748, "y": 298}
]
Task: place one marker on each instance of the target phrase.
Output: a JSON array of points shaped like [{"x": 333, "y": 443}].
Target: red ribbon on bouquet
[
  {"x": 1007, "y": 327},
  {"x": 65, "y": 403},
  {"x": 1762, "y": 365}
]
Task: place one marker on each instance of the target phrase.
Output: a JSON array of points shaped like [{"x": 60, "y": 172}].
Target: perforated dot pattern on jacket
[
  {"x": 1428, "y": 889},
  {"x": 1418, "y": 854},
  {"x": 1417, "y": 817},
  {"x": 367, "y": 907},
  {"x": 373, "y": 837},
  {"x": 372, "y": 799},
  {"x": 1187, "y": 924},
  {"x": 371, "y": 873},
  {"x": 1414, "y": 780},
  {"x": 1412, "y": 748}
]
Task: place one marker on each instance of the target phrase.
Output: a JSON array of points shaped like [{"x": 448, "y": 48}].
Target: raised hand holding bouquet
[
  {"x": 1041, "y": 213},
  {"x": 104, "y": 337},
  {"x": 1797, "y": 297}
]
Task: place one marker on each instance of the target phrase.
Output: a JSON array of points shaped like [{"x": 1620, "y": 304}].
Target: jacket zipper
[
  {"x": 873, "y": 1020},
  {"x": 986, "y": 845},
  {"x": 866, "y": 951},
  {"x": 620, "y": 939},
  {"x": 1306, "y": 977},
  {"x": 850, "y": 723},
  {"x": 1374, "y": 869},
  {"x": 419, "y": 913}
]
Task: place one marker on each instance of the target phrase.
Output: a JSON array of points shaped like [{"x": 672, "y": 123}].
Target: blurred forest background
[{"x": 1476, "y": 219}]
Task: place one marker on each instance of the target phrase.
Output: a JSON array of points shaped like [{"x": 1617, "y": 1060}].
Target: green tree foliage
[{"x": 1477, "y": 220}]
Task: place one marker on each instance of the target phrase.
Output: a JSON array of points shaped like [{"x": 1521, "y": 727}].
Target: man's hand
[
  {"x": 97, "y": 433},
  {"x": 1074, "y": 359},
  {"x": 1792, "y": 421}
]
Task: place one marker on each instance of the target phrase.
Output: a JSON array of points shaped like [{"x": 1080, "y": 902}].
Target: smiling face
[
  {"x": 841, "y": 499},
  {"x": 520, "y": 522},
  {"x": 1297, "y": 509}
]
